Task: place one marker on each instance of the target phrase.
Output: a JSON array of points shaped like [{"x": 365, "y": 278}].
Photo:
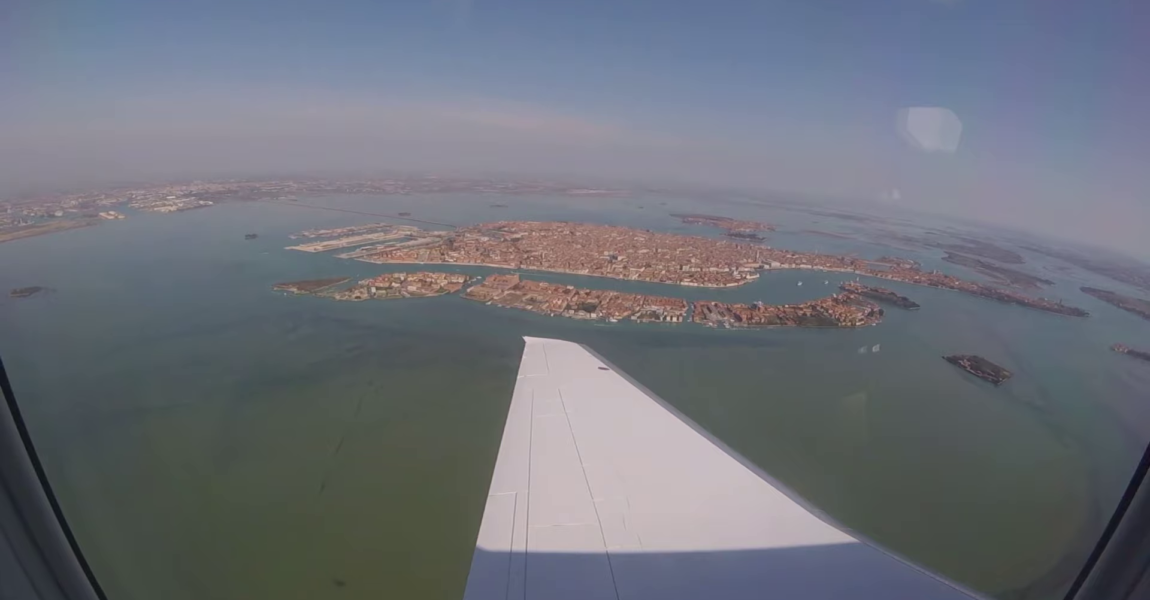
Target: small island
[
  {"x": 1127, "y": 350},
  {"x": 980, "y": 367},
  {"x": 1137, "y": 306},
  {"x": 880, "y": 294},
  {"x": 26, "y": 292},
  {"x": 898, "y": 262},
  {"x": 982, "y": 249},
  {"x": 735, "y": 228},
  {"x": 1002, "y": 274},
  {"x": 250, "y": 236},
  {"x": 405, "y": 214},
  {"x": 310, "y": 286}
]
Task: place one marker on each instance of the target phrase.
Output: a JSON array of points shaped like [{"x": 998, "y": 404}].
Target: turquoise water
[{"x": 210, "y": 438}]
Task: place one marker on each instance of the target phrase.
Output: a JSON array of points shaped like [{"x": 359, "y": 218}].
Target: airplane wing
[{"x": 603, "y": 491}]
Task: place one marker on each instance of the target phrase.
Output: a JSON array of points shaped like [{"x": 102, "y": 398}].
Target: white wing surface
[{"x": 603, "y": 491}]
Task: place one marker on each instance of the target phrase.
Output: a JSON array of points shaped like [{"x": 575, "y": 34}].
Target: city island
[
  {"x": 839, "y": 310},
  {"x": 552, "y": 299},
  {"x": 630, "y": 254}
]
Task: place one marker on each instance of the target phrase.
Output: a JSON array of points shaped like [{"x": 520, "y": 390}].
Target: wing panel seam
[
  {"x": 527, "y": 534},
  {"x": 591, "y": 496},
  {"x": 511, "y": 549}
]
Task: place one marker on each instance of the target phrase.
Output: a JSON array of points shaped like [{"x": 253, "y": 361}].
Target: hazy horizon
[{"x": 781, "y": 97}]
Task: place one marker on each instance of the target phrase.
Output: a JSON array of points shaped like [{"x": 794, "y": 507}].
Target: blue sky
[{"x": 790, "y": 95}]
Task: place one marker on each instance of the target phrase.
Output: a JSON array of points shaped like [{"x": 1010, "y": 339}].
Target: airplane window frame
[{"x": 32, "y": 524}]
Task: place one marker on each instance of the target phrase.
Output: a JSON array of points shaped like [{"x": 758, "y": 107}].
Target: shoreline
[
  {"x": 561, "y": 271},
  {"x": 745, "y": 281},
  {"x": 38, "y": 230}
]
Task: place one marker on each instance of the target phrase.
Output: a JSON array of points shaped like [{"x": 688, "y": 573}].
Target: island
[
  {"x": 980, "y": 367},
  {"x": 1124, "y": 349},
  {"x": 982, "y": 249},
  {"x": 349, "y": 237},
  {"x": 643, "y": 255},
  {"x": 1119, "y": 269},
  {"x": 33, "y": 214},
  {"x": 310, "y": 286},
  {"x": 342, "y": 231},
  {"x": 250, "y": 236},
  {"x": 8, "y": 234},
  {"x": 421, "y": 284},
  {"x": 735, "y": 228},
  {"x": 552, "y": 299},
  {"x": 1003, "y": 274},
  {"x": 581, "y": 249},
  {"x": 839, "y": 310},
  {"x": 880, "y": 294},
  {"x": 899, "y": 262},
  {"x": 948, "y": 282},
  {"x": 405, "y": 214},
  {"x": 26, "y": 292},
  {"x": 170, "y": 204},
  {"x": 830, "y": 234},
  {"x": 1137, "y": 306}
]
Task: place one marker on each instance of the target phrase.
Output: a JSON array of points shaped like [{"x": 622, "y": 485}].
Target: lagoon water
[{"x": 212, "y": 439}]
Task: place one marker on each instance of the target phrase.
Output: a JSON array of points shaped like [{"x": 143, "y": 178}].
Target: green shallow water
[{"x": 210, "y": 438}]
